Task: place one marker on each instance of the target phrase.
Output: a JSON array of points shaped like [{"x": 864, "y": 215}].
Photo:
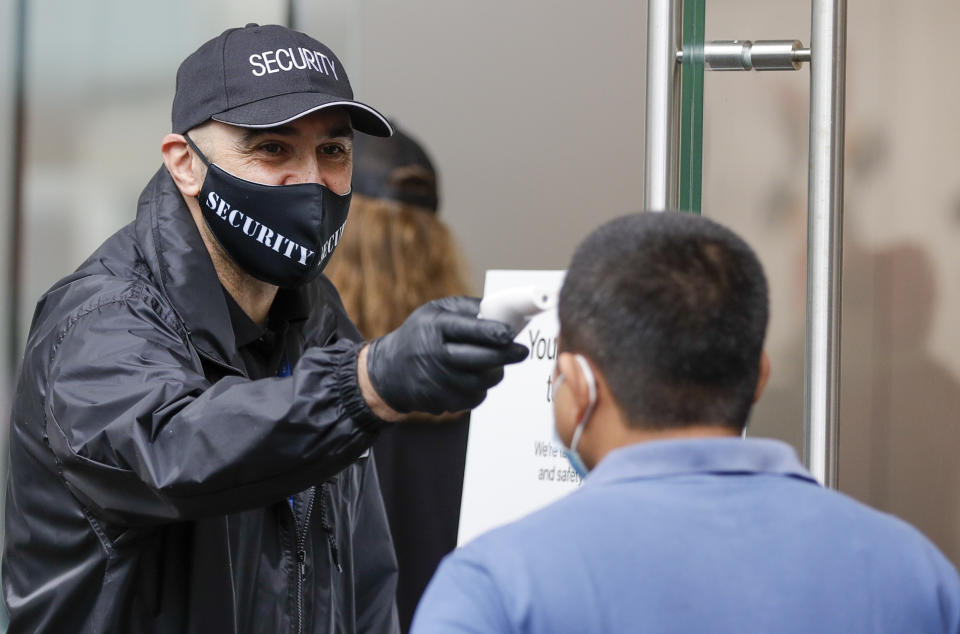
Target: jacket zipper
[
  {"x": 301, "y": 553},
  {"x": 301, "y": 530},
  {"x": 326, "y": 526}
]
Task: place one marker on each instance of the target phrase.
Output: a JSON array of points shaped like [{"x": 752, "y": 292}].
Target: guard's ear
[
  {"x": 186, "y": 168},
  {"x": 762, "y": 375}
]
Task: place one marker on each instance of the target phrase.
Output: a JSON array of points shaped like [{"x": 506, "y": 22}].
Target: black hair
[{"x": 673, "y": 309}]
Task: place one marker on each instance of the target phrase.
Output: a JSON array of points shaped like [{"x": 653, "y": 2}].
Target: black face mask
[{"x": 281, "y": 234}]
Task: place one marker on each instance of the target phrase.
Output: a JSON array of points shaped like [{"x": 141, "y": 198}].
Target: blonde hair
[{"x": 393, "y": 258}]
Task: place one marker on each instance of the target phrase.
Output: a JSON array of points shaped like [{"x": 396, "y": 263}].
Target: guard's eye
[
  {"x": 333, "y": 149},
  {"x": 270, "y": 148}
]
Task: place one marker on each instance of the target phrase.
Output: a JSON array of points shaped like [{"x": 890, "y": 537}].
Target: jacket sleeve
[
  {"x": 376, "y": 562},
  {"x": 141, "y": 436}
]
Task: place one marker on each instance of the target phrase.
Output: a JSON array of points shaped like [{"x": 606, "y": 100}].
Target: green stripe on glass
[{"x": 691, "y": 107}]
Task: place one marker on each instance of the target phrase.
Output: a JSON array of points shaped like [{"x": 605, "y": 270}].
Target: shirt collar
[
  {"x": 288, "y": 306},
  {"x": 245, "y": 329},
  {"x": 717, "y": 456}
]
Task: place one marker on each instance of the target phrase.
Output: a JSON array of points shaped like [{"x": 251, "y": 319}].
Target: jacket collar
[{"x": 183, "y": 269}]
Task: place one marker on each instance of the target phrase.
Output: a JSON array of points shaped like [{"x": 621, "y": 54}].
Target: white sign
[{"x": 512, "y": 465}]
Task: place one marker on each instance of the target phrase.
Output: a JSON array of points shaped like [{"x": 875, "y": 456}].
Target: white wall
[{"x": 533, "y": 110}]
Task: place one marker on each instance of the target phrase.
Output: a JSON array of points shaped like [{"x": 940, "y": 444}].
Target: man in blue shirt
[{"x": 682, "y": 526}]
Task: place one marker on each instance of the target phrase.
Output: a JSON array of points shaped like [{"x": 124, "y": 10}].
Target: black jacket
[{"x": 149, "y": 476}]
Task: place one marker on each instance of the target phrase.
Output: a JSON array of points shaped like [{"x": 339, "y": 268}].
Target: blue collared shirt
[{"x": 697, "y": 536}]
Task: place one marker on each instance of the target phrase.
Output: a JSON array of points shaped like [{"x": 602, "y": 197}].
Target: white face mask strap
[
  {"x": 555, "y": 386},
  {"x": 592, "y": 391}
]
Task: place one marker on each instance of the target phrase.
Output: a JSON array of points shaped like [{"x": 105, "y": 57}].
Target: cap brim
[{"x": 274, "y": 111}]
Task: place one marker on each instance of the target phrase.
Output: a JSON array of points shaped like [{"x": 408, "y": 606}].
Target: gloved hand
[{"x": 442, "y": 358}]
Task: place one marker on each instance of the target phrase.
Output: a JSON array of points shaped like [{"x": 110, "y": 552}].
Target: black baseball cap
[
  {"x": 265, "y": 76},
  {"x": 397, "y": 168}
]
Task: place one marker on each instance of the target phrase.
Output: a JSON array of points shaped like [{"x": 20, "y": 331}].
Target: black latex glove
[{"x": 442, "y": 358}]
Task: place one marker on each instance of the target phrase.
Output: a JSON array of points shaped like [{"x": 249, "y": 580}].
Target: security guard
[{"x": 192, "y": 423}]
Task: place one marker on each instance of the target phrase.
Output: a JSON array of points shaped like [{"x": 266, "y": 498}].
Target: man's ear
[
  {"x": 762, "y": 375},
  {"x": 184, "y": 166},
  {"x": 576, "y": 381}
]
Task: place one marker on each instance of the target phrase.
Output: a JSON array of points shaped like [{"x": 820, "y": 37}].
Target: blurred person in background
[
  {"x": 397, "y": 254},
  {"x": 681, "y": 525}
]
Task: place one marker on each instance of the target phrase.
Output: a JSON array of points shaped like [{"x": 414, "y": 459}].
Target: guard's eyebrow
[
  {"x": 346, "y": 132},
  {"x": 250, "y": 135}
]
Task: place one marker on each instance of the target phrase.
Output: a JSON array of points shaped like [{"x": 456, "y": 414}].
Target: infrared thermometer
[{"x": 516, "y": 306}]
